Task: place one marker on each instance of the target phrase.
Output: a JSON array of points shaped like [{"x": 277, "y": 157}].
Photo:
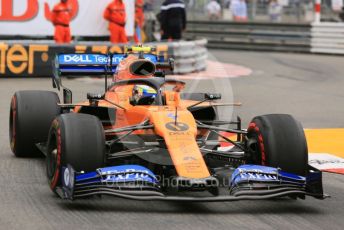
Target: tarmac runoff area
[{"x": 309, "y": 87}]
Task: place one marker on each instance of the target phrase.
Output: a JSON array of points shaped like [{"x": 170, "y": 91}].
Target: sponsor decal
[
  {"x": 19, "y": 59},
  {"x": 177, "y": 126},
  {"x": 7, "y": 10},
  {"x": 189, "y": 158},
  {"x": 255, "y": 173},
  {"x": 68, "y": 182},
  {"x": 126, "y": 173},
  {"x": 257, "y": 176},
  {"x": 77, "y": 58},
  {"x": 25, "y": 60},
  {"x": 172, "y": 116},
  {"x": 66, "y": 177},
  {"x": 94, "y": 59}
]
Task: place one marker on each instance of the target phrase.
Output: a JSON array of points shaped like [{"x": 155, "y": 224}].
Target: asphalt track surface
[{"x": 309, "y": 87}]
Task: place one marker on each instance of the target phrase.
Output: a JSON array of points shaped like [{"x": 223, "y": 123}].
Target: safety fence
[
  {"x": 306, "y": 38},
  {"x": 23, "y": 58},
  {"x": 328, "y": 38},
  {"x": 252, "y": 36}
]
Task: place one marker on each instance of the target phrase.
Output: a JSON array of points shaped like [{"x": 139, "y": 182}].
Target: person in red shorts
[
  {"x": 61, "y": 17},
  {"x": 115, "y": 14},
  {"x": 139, "y": 20}
]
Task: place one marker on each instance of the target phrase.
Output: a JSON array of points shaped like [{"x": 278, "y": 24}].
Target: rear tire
[
  {"x": 30, "y": 118},
  {"x": 77, "y": 140},
  {"x": 278, "y": 140}
]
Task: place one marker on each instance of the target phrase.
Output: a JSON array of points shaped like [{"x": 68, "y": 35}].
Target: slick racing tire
[
  {"x": 31, "y": 114},
  {"x": 278, "y": 140},
  {"x": 77, "y": 140}
]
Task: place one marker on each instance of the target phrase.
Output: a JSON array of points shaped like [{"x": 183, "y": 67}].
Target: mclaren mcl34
[{"x": 145, "y": 139}]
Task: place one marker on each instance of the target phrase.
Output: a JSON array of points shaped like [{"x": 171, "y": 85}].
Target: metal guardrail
[
  {"x": 328, "y": 38},
  {"x": 252, "y": 36}
]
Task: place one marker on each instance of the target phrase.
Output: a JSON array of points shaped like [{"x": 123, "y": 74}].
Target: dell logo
[{"x": 77, "y": 58}]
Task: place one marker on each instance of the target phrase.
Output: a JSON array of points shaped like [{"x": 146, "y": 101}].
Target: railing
[
  {"x": 252, "y": 36},
  {"x": 328, "y": 38}
]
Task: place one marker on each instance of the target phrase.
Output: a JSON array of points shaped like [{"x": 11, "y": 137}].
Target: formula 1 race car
[{"x": 145, "y": 139}]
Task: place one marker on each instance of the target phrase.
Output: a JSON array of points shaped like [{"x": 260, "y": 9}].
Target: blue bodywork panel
[
  {"x": 115, "y": 176},
  {"x": 257, "y": 173},
  {"x": 92, "y": 64}
]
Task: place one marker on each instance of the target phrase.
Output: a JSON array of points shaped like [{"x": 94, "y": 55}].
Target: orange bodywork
[{"x": 179, "y": 136}]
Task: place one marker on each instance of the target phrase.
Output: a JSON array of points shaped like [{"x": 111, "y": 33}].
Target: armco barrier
[
  {"x": 324, "y": 37},
  {"x": 252, "y": 36},
  {"x": 328, "y": 38},
  {"x": 34, "y": 59}
]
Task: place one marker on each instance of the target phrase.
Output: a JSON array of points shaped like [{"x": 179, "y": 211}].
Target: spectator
[
  {"x": 172, "y": 19},
  {"x": 148, "y": 6},
  {"x": 213, "y": 9},
  {"x": 239, "y": 10},
  {"x": 150, "y": 20},
  {"x": 341, "y": 14},
  {"x": 139, "y": 21},
  {"x": 115, "y": 14},
  {"x": 61, "y": 17},
  {"x": 275, "y": 11}
]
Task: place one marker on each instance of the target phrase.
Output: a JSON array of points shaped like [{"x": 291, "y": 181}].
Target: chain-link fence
[{"x": 285, "y": 11}]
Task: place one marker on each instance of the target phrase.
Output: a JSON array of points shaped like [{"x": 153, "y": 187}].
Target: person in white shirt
[
  {"x": 239, "y": 10},
  {"x": 213, "y": 9},
  {"x": 275, "y": 11}
]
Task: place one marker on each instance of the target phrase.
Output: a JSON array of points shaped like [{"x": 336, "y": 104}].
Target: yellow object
[
  {"x": 137, "y": 49},
  {"x": 143, "y": 36},
  {"x": 326, "y": 141}
]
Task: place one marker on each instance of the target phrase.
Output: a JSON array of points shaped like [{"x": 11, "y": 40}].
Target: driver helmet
[{"x": 142, "y": 91}]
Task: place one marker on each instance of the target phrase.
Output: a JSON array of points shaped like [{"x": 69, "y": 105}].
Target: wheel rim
[
  {"x": 257, "y": 144},
  {"x": 52, "y": 163}
]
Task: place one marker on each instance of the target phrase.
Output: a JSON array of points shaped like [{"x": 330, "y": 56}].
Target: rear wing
[{"x": 92, "y": 64}]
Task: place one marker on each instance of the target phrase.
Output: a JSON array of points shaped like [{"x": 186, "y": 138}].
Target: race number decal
[{"x": 177, "y": 127}]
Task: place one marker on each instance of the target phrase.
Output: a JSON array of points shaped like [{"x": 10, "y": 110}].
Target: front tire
[
  {"x": 30, "y": 118},
  {"x": 278, "y": 140},
  {"x": 77, "y": 140}
]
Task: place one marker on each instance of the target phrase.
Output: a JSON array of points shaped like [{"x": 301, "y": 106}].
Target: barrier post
[{"x": 317, "y": 11}]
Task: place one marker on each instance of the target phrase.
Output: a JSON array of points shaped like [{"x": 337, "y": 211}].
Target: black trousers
[{"x": 174, "y": 33}]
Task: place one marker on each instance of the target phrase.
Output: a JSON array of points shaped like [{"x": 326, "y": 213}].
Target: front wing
[{"x": 247, "y": 182}]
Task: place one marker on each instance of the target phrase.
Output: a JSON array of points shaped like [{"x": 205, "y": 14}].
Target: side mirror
[
  {"x": 213, "y": 96},
  {"x": 67, "y": 96}
]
